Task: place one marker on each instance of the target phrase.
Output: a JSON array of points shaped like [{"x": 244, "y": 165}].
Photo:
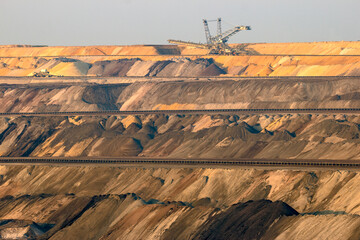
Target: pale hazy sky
[{"x": 119, "y": 22}]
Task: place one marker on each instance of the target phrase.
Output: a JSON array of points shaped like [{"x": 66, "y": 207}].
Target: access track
[
  {"x": 178, "y": 55},
  {"x": 189, "y": 112},
  {"x": 187, "y": 162}
]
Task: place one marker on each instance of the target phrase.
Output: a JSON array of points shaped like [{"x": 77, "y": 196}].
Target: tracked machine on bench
[
  {"x": 216, "y": 44},
  {"x": 42, "y": 73}
]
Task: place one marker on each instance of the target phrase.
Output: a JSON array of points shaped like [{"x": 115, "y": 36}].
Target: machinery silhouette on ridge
[{"x": 216, "y": 44}]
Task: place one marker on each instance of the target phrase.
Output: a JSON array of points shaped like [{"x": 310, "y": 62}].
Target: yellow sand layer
[
  {"x": 307, "y": 48},
  {"x": 175, "y": 106},
  {"x": 316, "y": 48},
  {"x": 234, "y": 65},
  {"x": 13, "y": 51},
  {"x": 26, "y": 60},
  {"x": 70, "y": 69}
]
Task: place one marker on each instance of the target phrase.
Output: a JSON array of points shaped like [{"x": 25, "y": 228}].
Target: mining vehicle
[
  {"x": 216, "y": 44},
  {"x": 42, "y": 73}
]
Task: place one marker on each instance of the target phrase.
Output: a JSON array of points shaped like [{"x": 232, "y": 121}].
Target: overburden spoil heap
[
  {"x": 278, "y": 59},
  {"x": 149, "y": 201}
]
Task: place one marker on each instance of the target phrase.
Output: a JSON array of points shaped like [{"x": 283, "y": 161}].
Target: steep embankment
[
  {"x": 183, "y": 95},
  {"x": 93, "y": 202},
  {"x": 241, "y": 94},
  {"x": 181, "y": 203},
  {"x": 315, "y": 48},
  {"x": 260, "y": 136},
  {"x": 179, "y": 66},
  {"x": 300, "y": 48},
  {"x": 142, "y": 60},
  {"x": 221, "y": 136}
]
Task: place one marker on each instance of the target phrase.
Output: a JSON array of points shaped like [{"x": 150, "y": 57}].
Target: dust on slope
[
  {"x": 126, "y": 216},
  {"x": 241, "y": 94},
  {"x": 178, "y": 202},
  {"x": 246, "y": 65},
  {"x": 183, "y": 95},
  {"x": 309, "y": 48},
  {"x": 301, "y": 136},
  {"x": 304, "y": 191},
  {"x": 59, "y": 98},
  {"x": 248, "y": 220},
  {"x": 329, "y": 225},
  {"x": 317, "y": 48}
]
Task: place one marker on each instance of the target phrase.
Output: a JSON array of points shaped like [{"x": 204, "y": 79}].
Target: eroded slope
[
  {"x": 288, "y": 59},
  {"x": 300, "y": 136},
  {"x": 153, "y": 95},
  {"x": 163, "y": 203}
]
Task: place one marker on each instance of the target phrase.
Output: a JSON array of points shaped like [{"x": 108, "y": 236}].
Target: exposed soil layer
[
  {"x": 170, "y": 61},
  {"x": 64, "y": 216},
  {"x": 205, "y": 136},
  {"x": 183, "y": 95},
  {"x": 248, "y": 220},
  {"x": 320, "y": 48},
  {"x": 162, "y": 203},
  {"x": 170, "y": 68},
  {"x": 95, "y": 202},
  {"x": 22, "y": 229},
  {"x": 117, "y": 68}
]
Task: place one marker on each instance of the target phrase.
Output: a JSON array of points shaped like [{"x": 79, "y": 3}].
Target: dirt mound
[
  {"x": 288, "y": 63},
  {"x": 22, "y": 229},
  {"x": 316, "y": 48},
  {"x": 116, "y": 68},
  {"x": 103, "y": 96},
  {"x": 187, "y": 68},
  {"x": 157, "y": 67},
  {"x": 61, "y": 66},
  {"x": 180, "y": 203},
  {"x": 274, "y": 136},
  {"x": 248, "y": 220},
  {"x": 117, "y": 146},
  {"x": 167, "y": 49},
  {"x": 176, "y": 67},
  {"x": 212, "y": 70},
  {"x": 77, "y": 68},
  {"x": 333, "y": 128}
]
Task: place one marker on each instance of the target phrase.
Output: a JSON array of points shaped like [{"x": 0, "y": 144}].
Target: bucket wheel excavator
[{"x": 216, "y": 44}]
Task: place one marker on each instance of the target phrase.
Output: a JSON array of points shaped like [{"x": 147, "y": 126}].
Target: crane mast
[
  {"x": 219, "y": 26},
  {"x": 217, "y": 44},
  {"x": 207, "y": 31}
]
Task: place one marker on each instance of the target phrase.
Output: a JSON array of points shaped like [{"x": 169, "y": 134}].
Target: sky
[{"x": 128, "y": 22}]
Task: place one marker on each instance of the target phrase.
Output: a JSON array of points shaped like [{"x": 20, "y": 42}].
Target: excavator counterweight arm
[
  {"x": 217, "y": 44},
  {"x": 226, "y": 35}
]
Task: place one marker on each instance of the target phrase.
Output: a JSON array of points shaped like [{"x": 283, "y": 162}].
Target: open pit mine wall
[
  {"x": 173, "y": 61},
  {"x": 178, "y": 203},
  {"x": 272, "y": 94},
  {"x": 310, "y": 136},
  {"x": 274, "y": 136},
  {"x": 97, "y": 202}
]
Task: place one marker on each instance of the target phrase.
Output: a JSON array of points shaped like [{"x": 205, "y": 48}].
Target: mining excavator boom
[
  {"x": 217, "y": 44},
  {"x": 224, "y": 37},
  {"x": 190, "y": 44}
]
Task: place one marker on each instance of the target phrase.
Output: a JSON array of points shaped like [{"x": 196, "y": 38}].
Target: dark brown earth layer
[
  {"x": 64, "y": 214},
  {"x": 169, "y": 68},
  {"x": 229, "y": 94},
  {"x": 177, "y": 203},
  {"x": 248, "y": 220},
  {"x": 96, "y": 202},
  {"x": 170, "y": 203},
  {"x": 205, "y": 136}
]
